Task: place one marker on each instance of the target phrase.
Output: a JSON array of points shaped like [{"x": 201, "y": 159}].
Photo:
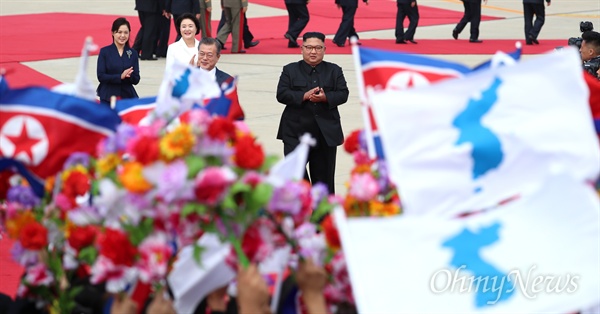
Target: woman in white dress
[{"x": 185, "y": 49}]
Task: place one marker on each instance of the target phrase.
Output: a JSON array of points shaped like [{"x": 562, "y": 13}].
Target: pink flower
[
  {"x": 212, "y": 183},
  {"x": 116, "y": 277},
  {"x": 363, "y": 186},
  {"x": 155, "y": 254},
  {"x": 38, "y": 275}
]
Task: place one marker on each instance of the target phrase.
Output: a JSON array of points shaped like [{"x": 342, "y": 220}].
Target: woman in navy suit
[{"x": 118, "y": 65}]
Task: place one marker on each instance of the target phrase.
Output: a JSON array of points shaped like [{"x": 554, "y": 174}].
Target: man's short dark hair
[
  {"x": 187, "y": 16},
  {"x": 209, "y": 41},
  {"x": 592, "y": 39},
  {"x": 318, "y": 35}
]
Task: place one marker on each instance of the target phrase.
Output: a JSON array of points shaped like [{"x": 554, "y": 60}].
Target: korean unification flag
[
  {"x": 181, "y": 88},
  {"x": 536, "y": 254},
  {"x": 473, "y": 142}
]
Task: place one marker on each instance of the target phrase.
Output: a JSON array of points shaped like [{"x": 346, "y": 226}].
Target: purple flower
[
  {"x": 318, "y": 192},
  {"x": 118, "y": 141},
  {"x": 76, "y": 159},
  {"x": 172, "y": 183},
  {"x": 287, "y": 199},
  {"x": 23, "y": 256},
  {"x": 23, "y": 195}
]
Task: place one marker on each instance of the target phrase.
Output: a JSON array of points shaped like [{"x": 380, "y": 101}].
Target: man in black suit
[
  {"x": 311, "y": 90},
  {"x": 149, "y": 12},
  {"x": 297, "y": 20},
  {"x": 532, "y": 30},
  {"x": 346, "y": 29},
  {"x": 472, "y": 15},
  {"x": 406, "y": 8}
]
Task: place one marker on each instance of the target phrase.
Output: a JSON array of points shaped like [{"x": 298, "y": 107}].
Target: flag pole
[{"x": 364, "y": 102}]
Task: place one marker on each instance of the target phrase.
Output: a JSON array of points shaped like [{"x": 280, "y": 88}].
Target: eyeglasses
[
  {"x": 208, "y": 55},
  {"x": 310, "y": 48}
]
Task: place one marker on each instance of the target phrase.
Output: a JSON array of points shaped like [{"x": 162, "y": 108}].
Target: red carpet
[
  {"x": 10, "y": 272},
  {"x": 19, "y": 75}
]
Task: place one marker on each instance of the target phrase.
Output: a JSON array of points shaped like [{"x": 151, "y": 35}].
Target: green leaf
[
  {"x": 240, "y": 187},
  {"x": 259, "y": 197},
  {"x": 229, "y": 202},
  {"x": 322, "y": 209},
  {"x": 194, "y": 164},
  {"x": 198, "y": 250},
  {"x": 88, "y": 255},
  {"x": 191, "y": 208},
  {"x": 137, "y": 234}
]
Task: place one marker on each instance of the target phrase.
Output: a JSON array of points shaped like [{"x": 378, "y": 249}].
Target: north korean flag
[
  {"x": 40, "y": 128},
  {"x": 133, "y": 111},
  {"x": 384, "y": 69}
]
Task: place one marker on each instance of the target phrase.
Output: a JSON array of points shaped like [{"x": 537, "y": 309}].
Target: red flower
[
  {"x": 146, "y": 150},
  {"x": 80, "y": 237},
  {"x": 221, "y": 129},
  {"x": 252, "y": 242},
  {"x": 331, "y": 233},
  {"x": 248, "y": 153},
  {"x": 352, "y": 142},
  {"x": 76, "y": 184},
  {"x": 34, "y": 236},
  {"x": 115, "y": 245}
]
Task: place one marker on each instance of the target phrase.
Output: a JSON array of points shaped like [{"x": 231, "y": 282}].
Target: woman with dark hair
[
  {"x": 118, "y": 65},
  {"x": 185, "y": 49}
]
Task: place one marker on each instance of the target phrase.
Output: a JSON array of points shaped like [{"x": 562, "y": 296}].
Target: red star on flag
[{"x": 23, "y": 143}]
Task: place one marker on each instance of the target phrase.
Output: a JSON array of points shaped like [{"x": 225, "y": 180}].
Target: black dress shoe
[
  {"x": 291, "y": 41},
  {"x": 454, "y": 34},
  {"x": 477, "y": 41},
  {"x": 528, "y": 42},
  {"x": 338, "y": 44},
  {"x": 412, "y": 41},
  {"x": 149, "y": 59},
  {"x": 533, "y": 40},
  {"x": 400, "y": 41},
  {"x": 252, "y": 44}
]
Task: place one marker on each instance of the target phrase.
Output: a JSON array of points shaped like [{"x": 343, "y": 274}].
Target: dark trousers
[
  {"x": 529, "y": 10},
  {"x": 164, "y": 30},
  {"x": 405, "y": 10},
  {"x": 472, "y": 15},
  {"x": 321, "y": 160},
  {"x": 346, "y": 29},
  {"x": 145, "y": 40},
  {"x": 247, "y": 35},
  {"x": 297, "y": 19}
]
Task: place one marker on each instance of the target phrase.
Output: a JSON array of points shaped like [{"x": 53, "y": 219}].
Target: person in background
[
  {"x": 472, "y": 15},
  {"x": 234, "y": 11},
  {"x": 178, "y": 7},
  {"x": 185, "y": 49},
  {"x": 532, "y": 30},
  {"x": 312, "y": 90},
  {"x": 248, "y": 38},
  {"x": 205, "y": 18},
  {"x": 590, "y": 52},
  {"x": 164, "y": 31},
  {"x": 346, "y": 29},
  {"x": 298, "y": 18},
  {"x": 118, "y": 66},
  {"x": 149, "y": 12},
  {"x": 406, "y": 8}
]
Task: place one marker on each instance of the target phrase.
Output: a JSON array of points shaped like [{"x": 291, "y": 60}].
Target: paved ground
[{"x": 259, "y": 73}]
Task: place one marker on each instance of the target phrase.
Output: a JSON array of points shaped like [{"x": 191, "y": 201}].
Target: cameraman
[{"x": 590, "y": 52}]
